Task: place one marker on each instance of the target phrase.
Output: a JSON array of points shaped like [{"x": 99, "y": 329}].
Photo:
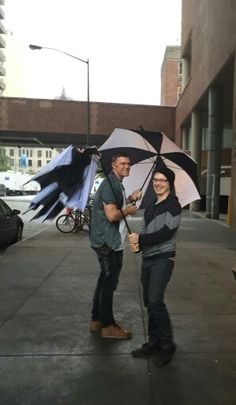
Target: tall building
[
  {"x": 28, "y": 159},
  {"x": 171, "y": 76},
  {"x": 2, "y": 48},
  {"x": 206, "y": 110}
]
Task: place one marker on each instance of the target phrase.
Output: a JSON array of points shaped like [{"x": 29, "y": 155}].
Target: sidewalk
[{"x": 49, "y": 357}]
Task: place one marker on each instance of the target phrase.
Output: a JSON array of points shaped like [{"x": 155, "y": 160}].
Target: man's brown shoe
[
  {"x": 115, "y": 332},
  {"x": 95, "y": 326}
]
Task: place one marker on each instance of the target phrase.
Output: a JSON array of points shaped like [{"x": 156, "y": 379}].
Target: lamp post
[{"x": 37, "y": 47}]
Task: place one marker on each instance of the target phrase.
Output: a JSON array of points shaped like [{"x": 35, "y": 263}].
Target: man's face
[
  {"x": 161, "y": 185},
  {"x": 121, "y": 167}
]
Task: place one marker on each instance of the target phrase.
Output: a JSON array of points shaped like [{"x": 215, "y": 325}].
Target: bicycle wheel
[{"x": 65, "y": 223}]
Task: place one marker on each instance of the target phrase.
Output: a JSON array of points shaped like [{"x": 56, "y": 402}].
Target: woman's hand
[
  {"x": 134, "y": 247},
  {"x": 133, "y": 237}
]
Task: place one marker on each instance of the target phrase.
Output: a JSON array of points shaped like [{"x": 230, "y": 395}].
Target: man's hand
[
  {"x": 114, "y": 214},
  {"x": 130, "y": 210},
  {"x": 135, "y": 196}
]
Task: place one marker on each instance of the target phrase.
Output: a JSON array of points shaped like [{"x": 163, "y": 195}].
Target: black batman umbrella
[
  {"x": 147, "y": 150},
  {"x": 65, "y": 181}
]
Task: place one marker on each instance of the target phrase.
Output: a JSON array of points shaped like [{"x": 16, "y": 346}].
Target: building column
[
  {"x": 232, "y": 205},
  {"x": 184, "y": 143},
  {"x": 196, "y": 150},
  {"x": 213, "y": 156}
]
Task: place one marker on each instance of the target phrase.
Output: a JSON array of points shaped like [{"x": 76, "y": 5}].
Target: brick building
[
  {"x": 171, "y": 76},
  {"x": 206, "y": 110}
]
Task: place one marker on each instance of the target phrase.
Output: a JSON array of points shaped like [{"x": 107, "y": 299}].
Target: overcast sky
[{"x": 125, "y": 41}]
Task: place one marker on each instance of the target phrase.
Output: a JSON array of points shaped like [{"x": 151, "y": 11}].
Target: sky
[{"x": 124, "y": 40}]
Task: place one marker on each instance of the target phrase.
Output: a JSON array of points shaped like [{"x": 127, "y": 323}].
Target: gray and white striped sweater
[{"x": 160, "y": 225}]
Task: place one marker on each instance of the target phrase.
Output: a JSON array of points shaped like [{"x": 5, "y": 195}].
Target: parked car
[{"x": 11, "y": 225}]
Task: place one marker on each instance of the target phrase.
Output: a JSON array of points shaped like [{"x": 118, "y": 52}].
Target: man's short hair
[{"x": 118, "y": 155}]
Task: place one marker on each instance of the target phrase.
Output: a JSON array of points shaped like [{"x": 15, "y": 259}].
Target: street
[{"x": 49, "y": 356}]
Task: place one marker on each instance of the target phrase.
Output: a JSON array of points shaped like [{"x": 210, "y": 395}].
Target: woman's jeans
[
  {"x": 155, "y": 276},
  {"x": 111, "y": 265}
]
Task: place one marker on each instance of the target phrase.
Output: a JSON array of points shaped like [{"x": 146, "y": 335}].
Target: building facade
[
  {"x": 29, "y": 160},
  {"x": 2, "y": 48},
  {"x": 206, "y": 110},
  {"x": 171, "y": 76}
]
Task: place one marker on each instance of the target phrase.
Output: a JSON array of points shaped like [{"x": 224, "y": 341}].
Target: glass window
[
  {"x": 4, "y": 207},
  {"x": 1, "y": 207},
  {"x": 39, "y": 153},
  {"x": 39, "y": 162},
  {"x": 11, "y": 152},
  {"x": 227, "y": 141},
  {"x": 179, "y": 91},
  {"x": 205, "y": 139},
  {"x": 180, "y": 68}
]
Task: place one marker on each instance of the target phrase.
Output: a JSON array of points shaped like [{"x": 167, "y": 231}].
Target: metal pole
[
  {"x": 88, "y": 106},
  {"x": 38, "y": 47}
]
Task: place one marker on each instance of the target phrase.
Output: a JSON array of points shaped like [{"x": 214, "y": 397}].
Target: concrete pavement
[{"x": 49, "y": 357}]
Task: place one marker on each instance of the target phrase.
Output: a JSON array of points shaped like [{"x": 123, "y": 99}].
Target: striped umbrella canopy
[{"x": 148, "y": 151}]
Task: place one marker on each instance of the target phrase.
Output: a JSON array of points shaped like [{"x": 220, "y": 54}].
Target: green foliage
[
  {"x": 31, "y": 172},
  {"x": 4, "y": 161}
]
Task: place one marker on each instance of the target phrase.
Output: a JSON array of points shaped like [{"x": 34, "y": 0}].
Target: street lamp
[{"x": 37, "y": 47}]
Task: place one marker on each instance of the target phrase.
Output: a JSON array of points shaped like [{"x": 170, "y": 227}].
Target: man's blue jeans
[
  {"x": 111, "y": 265},
  {"x": 155, "y": 276}
]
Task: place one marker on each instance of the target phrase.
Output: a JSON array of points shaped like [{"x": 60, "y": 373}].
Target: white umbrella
[{"x": 147, "y": 151}]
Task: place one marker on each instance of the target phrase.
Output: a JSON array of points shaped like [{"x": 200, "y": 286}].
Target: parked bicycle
[{"x": 74, "y": 220}]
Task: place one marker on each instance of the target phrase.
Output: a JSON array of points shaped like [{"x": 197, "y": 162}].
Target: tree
[
  {"x": 31, "y": 172},
  {"x": 4, "y": 161}
]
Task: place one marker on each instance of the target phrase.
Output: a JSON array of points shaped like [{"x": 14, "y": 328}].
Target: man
[
  {"x": 157, "y": 241},
  {"x": 107, "y": 235}
]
